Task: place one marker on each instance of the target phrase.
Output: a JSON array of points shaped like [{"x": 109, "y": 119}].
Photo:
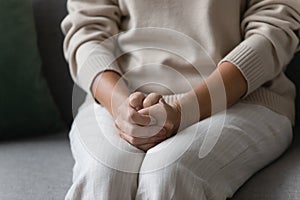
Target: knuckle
[
  {"x": 133, "y": 96},
  {"x": 131, "y": 115},
  {"x": 168, "y": 126},
  {"x": 132, "y": 140},
  {"x": 158, "y": 96},
  {"x": 136, "y": 95},
  {"x": 139, "y": 94},
  {"x": 136, "y": 98},
  {"x": 142, "y": 148},
  {"x": 132, "y": 100},
  {"x": 154, "y": 96},
  {"x": 151, "y": 99}
]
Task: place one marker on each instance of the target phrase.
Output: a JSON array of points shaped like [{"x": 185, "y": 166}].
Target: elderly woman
[{"x": 185, "y": 99}]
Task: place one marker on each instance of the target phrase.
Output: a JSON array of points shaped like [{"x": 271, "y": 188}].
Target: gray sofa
[{"x": 40, "y": 168}]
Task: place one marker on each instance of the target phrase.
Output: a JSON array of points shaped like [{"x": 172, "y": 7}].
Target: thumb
[{"x": 136, "y": 100}]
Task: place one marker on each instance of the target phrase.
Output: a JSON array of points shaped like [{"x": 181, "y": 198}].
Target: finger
[
  {"x": 141, "y": 141},
  {"x": 161, "y": 135},
  {"x": 156, "y": 108},
  {"x": 140, "y": 119},
  {"x": 147, "y": 132},
  {"x": 139, "y": 131},
  {"x": 132, "y": 116},
  {"x": 136, "y": 100},
  {"x": 133, "y": 140},
  {"x": 146, "y": 147},
  {"x": 158, "y": 112},
  {"x": 151, "y": 99}
]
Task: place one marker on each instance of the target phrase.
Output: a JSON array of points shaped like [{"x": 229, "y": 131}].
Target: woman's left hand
[{"x": 167, "y": 116}]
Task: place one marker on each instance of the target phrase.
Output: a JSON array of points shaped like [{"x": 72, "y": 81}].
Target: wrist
[
  {"x": 189, "y": 110},
  {"x": 110, "y": 90},
  {"x": 177, "y": 114},
  {"x": 177, "y": 108}
]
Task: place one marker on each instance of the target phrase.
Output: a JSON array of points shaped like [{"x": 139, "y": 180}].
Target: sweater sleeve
[
  {"x": 270, "y": 30},
  {"x": 89, "y": 46}
]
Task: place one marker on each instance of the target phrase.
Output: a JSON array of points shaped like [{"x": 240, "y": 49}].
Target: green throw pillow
[{"x": 26, "y": 106}]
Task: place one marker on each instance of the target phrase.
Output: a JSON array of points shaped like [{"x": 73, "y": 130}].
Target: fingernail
[
  {"x": 137, "y": 108},
  {"x": 163, "y": 131}
]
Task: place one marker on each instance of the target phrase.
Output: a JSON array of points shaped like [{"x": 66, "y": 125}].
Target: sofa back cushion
[
  {"x": 293, "y": 72},
  {"x": 26, "y": 106},
  {"x": 48, "y": 16}
]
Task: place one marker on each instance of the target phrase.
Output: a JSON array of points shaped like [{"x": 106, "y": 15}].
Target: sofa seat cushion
[
  {"x": 35, "y": 168},
  {"x": 278, "y": 181},
  {"x": 41, "y": 168}
]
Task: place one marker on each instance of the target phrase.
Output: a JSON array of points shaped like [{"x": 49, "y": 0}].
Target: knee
[
  {"x": 158, "y": 184},
  {"x": 92, "y": 173},
  {"x": 96, "y": 175},
  {"x": 173, "y": 182},
  {"x": 87, "y": 181},
  {"x": 94, "y": 180}
]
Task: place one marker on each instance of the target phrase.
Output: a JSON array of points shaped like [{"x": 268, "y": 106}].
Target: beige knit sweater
[{"x": 169, "y": 46}]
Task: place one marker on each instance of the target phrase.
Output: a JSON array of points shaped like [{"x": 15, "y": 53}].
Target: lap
[
  {"x": 217, "y": 154},
  {"x": 220, "y": 139}
]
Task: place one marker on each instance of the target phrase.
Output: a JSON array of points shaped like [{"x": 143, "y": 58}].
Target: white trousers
[{"x": 108, "y": 168}]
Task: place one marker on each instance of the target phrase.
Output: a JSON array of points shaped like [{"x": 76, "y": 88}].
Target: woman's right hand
[{"x": 109, "y": 89}]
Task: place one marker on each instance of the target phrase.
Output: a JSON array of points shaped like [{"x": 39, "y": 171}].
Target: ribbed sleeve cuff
[
  {"x": 248, "y": 58},
  {"x": 92, "y": 60}
]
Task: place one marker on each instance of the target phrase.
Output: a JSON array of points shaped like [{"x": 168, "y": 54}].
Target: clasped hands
[{"x": 145, "y": 121}]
